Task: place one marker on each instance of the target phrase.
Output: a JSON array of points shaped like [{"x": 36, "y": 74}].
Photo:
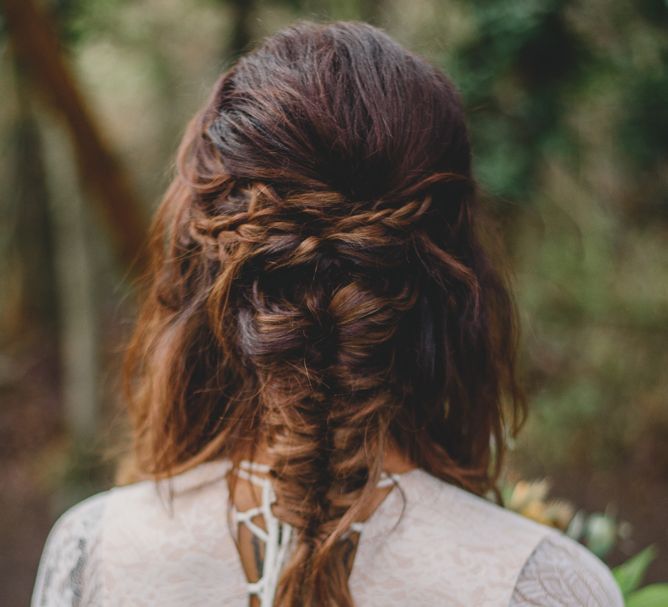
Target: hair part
[{"x": 318, "y": 283}]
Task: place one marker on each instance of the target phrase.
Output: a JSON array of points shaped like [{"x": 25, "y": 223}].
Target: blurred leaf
[
  {"x": 655, "y": 595},
  {"x": 600, "y": 534},
  {"x": 630, "y": 574},
  {"x": 577, "y": 525}
]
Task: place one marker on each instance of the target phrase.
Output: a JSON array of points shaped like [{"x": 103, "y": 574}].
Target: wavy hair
[{"x": 318, "y": 284}]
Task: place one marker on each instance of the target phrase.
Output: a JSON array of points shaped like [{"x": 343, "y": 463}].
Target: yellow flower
[{"x": 530, "y": 500}]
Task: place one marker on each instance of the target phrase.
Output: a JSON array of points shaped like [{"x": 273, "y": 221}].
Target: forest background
[{"x": 568, "y": 106}]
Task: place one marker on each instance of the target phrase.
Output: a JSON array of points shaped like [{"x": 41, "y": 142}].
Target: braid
[{"x": 319, "y": 335}]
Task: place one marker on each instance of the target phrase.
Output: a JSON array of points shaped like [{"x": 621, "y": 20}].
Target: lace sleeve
[
  {"x": 562, "y": 573},
  {"x": 68, "y": 570}
]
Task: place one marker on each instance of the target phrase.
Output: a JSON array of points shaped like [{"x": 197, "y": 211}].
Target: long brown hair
[{"x": 318, "y": 284}]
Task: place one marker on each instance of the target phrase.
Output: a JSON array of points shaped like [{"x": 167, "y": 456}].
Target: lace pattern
[
  {"x": 69, "y": 571},
  {"x": 560, "y": 573}
]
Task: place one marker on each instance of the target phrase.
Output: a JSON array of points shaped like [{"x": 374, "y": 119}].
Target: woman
[{"x": 317, "y": 376}]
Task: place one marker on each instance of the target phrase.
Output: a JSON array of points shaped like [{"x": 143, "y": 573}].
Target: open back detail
[{"x": 263, "y": 540}]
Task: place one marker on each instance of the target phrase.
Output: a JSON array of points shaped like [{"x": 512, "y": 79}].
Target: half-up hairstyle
[{"x": 318, "y": 285}]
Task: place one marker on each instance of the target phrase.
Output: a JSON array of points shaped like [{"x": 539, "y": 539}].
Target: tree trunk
[
  {"x": 75, "y": 272},
  {"x": 35, "y": 43}
]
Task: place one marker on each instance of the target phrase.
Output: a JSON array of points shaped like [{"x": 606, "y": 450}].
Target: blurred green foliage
[
  {"x": 568, "y": 107},
  {"x": 630, "y": 575}
]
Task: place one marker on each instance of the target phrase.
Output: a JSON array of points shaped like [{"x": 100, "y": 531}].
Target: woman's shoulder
[
  {"x": 496, "y": 555},
  {"x": 430, "y": 500},
  {"x": 560, "y": 571},
  {"x": 114, "y": 541},
  {"x": 69, "y": 567}
]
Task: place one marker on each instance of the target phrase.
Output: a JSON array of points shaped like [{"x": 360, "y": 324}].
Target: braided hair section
[{"x": 314, "y": 300}]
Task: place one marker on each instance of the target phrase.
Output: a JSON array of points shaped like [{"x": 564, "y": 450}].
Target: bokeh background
[{"x": 568, "y": 107}]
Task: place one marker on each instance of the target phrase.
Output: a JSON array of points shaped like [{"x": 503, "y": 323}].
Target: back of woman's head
[{"x": 318, "y": 286}]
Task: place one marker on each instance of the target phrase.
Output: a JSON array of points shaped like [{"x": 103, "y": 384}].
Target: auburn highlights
[{"x": 318, "y": 285}]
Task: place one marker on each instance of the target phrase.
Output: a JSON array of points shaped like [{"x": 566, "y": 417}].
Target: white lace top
[{"x": 428, "y": 543}]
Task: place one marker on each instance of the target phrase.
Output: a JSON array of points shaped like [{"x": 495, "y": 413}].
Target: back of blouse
[{"x": 172, "y": 543}]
